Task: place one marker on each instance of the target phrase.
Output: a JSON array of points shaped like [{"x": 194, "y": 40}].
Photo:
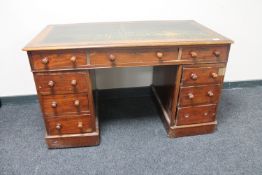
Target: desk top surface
[{"x": 124, "y": 34}]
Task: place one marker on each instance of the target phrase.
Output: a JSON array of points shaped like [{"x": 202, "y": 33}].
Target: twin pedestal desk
[{"x": 188, "y": 59}]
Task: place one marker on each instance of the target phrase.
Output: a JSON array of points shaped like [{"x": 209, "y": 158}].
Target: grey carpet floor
[{"x": 133, "y": 141}]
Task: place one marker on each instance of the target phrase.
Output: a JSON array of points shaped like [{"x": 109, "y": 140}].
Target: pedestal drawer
[
  {"x": 196, "y": 114},
  {"x": 70, "y": 125},
  {"x": 202, "y": 75},
  {"x": 196, "y": 95},
  {"x": 54, "y": 105},
  {"x": 61, "y": 82}
]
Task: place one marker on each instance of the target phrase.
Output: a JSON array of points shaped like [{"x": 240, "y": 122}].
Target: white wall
[{"x": 239, "y": 20}]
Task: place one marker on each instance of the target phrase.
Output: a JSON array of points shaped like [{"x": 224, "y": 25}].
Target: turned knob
[
  {"x": 73, "y": 82},
  {"x": 210, "y": 93},
  {"x": 54, "y": 104},
  {"x": 80, "y": 125},
  {"x": 73, "y": 59},
  {"x": 45, "y": 60},
  {"x": 190, "y": 96},
  {"x": 205, "y": 113},
  {"x": 51, "y": 83},
  {"x": 112, "y": 57},
  {"x": 214, "y": 75},
  {"x": 186, "y": 115},
  {"x": 76, "y": 103},
  {"x": 159, "y": 55},
  {"x": 193, "y": 54},
  {"x": 216, "y": 53},
  {"x": 58, "y": 126},
  {"x": 193, "y": 76}
]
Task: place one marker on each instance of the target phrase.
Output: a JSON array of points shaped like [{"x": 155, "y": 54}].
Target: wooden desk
[{"x": 189, "y": 65}]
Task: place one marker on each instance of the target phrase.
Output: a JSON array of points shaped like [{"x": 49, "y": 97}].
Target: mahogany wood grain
[
  {"x": 122, "y": 56},
  {"x": 48, "y": 60},
  {"x": 61, "y": 82},
  {"x": 200, "y": 95},
  {"x": 73, "y": 124},
  {"x": 204, "y": 75},
  {"x": 68, "y": 104},
  {"x": 196, "y": 114}
]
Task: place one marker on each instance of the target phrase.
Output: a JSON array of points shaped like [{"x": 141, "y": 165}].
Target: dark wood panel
[
  {"x": 46, "y": 60},
  {"x": 163, "y": 82},
  {"x": 70, "y": 141},
  {"x": 194, "y": 130},
  {"x": 69, "y": 104},
  {"x": 199, "y": 95},
  {"x": 196, "y": 114},
  {"x": 74, "y": 124},
  {"x": 166, "y": 81},
  {"x": 61, "y": 82}
]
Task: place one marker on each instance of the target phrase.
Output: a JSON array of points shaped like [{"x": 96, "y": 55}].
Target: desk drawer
[
  {"x": 196, "y": 114},
  {"x": 61, "y": 83},
  {"x": 203, "y": 75},
  {"x": 45, "y": 60},
  {"x": 70, "y": 125},
  {"x": 124, "y": 56},
  {"x": 199, "y": 95},
  {"x": 54, "y": 105},
  {"x": 205, "y": 53}
]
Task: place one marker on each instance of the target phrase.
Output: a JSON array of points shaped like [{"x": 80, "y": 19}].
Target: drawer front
[
  {"x": 196, "y": 114},
  {"x": 203, "y": 75},
  {"x": 61, "y": 83},
  {"x": 199, "y": 95},
  {"x": 114, "y": 57},
  {"x": 70, "y": 125},
  {"x": 45, "y": 60},
  {"x": 205, "y": 53},
  {"x": 65, "y": 104}
]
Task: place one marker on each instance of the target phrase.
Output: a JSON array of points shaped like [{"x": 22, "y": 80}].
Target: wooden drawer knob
[
  {"x": 73, "y": 82},
  {"x": 73, "y": 59},
  {"x": 186, "y": 115},
  {"x": 76, "y": 103},
  {"x": 45, "y": 60},
  {"x": 112, "y": 58},
  {"x": 58, "y": 126},
  {"x": 193, "y": 54},
  {"x": 54, "y": 104},
  {"x": 51, "y": 83},
  {"x": 80, "y": 125},
  {"x": 216, "y": 53},
  {"x": 159, "y": 55},
  {"x": 210, "y": 93},
  {"x": 190, "y": 96},
  {"x": 193, "y": 76},
  {"x": 214, "y": 75}
]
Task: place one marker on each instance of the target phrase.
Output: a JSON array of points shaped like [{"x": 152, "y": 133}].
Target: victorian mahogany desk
[{"x": 188, "y": 59}]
